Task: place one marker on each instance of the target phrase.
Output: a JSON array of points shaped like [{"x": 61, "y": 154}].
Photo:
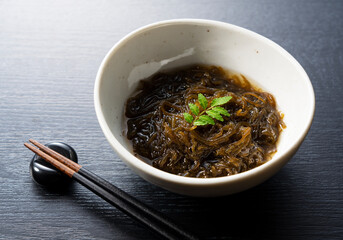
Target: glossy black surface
[{"x": 46, "y": 174}]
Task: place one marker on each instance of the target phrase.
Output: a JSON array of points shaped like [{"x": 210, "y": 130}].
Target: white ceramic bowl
[{"x": 174, "y": 43}]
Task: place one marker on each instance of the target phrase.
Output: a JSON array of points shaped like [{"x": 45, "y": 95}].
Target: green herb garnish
[{"x": 209, "y": 113}]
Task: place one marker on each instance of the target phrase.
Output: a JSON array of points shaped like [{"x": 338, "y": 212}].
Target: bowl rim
[{"x": 147, "y": 169}]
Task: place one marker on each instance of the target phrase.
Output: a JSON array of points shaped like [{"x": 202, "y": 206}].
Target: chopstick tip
[{"x": 27, "y": 145}]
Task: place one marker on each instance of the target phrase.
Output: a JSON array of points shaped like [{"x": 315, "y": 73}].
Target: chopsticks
[{"x": 147, "y": 216}]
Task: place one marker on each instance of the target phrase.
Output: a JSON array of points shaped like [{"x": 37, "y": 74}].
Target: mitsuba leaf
[
  {"x": 220, "y": 101},
  {"x": 194, "y": 108},
  {"x": 213, "y": 112},
  {"x": 221, "y": 111},
  {"x": 203, "y": 101},
  {"x": 215, "y": 115},
  {"x": 188, "y": 117},
  {"x": 207, "y": 119},
  {"x": 200, "y": 123}
]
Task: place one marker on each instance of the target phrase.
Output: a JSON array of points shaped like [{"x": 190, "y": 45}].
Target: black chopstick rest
[{"x": 45, "y": 174}]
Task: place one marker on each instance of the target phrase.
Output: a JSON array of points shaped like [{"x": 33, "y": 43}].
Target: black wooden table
[{"x": 49, "y": 55}]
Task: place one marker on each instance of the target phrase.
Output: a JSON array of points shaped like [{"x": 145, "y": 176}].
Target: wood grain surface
[{"x": 49, "y": 55}]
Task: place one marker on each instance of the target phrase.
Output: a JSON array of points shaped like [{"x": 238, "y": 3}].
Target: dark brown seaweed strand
[{"x": 243, "y": 141}]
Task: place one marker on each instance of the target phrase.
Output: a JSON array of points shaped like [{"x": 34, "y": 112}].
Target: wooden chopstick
[{"x": 149, "y": 217}]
